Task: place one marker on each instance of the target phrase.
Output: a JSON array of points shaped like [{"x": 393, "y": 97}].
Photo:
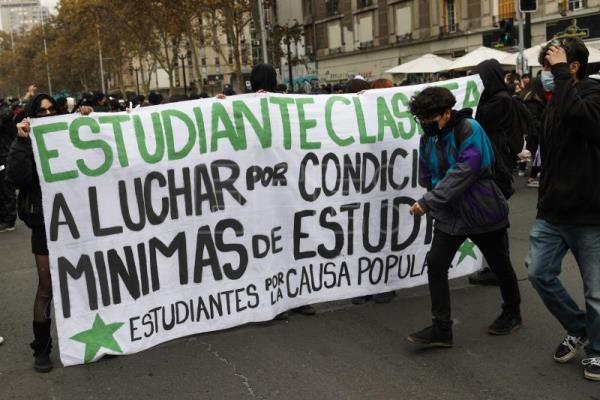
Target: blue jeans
[{"x": 548, "y": 244}]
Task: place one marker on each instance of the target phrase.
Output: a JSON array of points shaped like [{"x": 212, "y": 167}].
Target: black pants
[
  {"x": 493, "y": 245},
  {"x": 8, "y": 202}
]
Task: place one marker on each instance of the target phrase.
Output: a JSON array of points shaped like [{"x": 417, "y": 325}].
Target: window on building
[
  {"x": 230, "y": 58},
  {"x": 332, "y": 7},
  {"x": 403, "y": 20},
  {"x": 506, "y": 9},
  {"x": 423, "y": 14},
  {"x": 217, "y": 61},
  {"x": 203, "y": 61},
  {"x": 364, "y": 28},
  {"x": 575, "y": 5},
  {"x": 363, "y": 3},
  {"x": 334, "y": 35},
  {"x": 450, "y": 19}
]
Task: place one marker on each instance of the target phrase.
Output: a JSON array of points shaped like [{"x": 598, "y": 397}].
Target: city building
[
  {"x": 367, "y": 37},
  {"x": 21, "y": 15}
]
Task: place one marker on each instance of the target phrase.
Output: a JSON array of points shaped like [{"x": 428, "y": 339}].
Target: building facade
[
  {"x": 21, "y": 15},
  {"x": 368, "y": 37}
]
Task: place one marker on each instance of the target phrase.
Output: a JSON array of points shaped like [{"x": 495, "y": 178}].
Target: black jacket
[
  {"x": 570, "y": 152},
  {"x": 21, "y": 172},
  {"x": 494, "y": 109},
  {"x": 8, "y": 131}
]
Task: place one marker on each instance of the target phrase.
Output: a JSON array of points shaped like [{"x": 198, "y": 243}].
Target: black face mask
[{"x": 431, "y": 128}]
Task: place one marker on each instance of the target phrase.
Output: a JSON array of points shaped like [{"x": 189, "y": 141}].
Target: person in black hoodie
[
  {"x": 21, "y": 172},
  {"x": 8, "y": 132},
  {"x": 568, "y": 216},
  {"x": 493, "y": 114}
]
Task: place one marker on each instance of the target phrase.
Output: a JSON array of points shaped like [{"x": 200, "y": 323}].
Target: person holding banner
[
  {"x": 455, "y": 165},
  {"x": 21, "y": 172}
]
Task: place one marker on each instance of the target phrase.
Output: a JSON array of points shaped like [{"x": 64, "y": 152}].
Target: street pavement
[{"x": 344, "y": 352}]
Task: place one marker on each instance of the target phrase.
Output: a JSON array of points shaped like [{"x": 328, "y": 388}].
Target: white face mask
[{"x": 547, "y": 81}]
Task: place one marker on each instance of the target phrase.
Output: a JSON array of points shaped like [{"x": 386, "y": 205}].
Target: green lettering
[
  {"x": 306, "y": 124},
  {"x": 46, "y": 154},
  {"x": 241, "y": 110},
  {"x": 159, "y": 139},
  {"x": 201, "y": 130},
  {"x": 385, "y": 119},
  {"x": 94, "y": 127},
  {"x": 116, "y": 121},
  {"x": 329, "y": 126},
  {"x": 284, "y": 103},
  {"x": 452, "y": 86},
  {"x": 472, "y": 95},
  {"x": 219, "y": 114},
  {"x": 401, "y": 99},
  {"x": 167, "y": 116},
  {"x": 360, "y": 119}
]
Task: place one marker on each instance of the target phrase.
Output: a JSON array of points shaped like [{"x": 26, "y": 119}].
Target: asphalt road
[{"x": 344, "y": 352}]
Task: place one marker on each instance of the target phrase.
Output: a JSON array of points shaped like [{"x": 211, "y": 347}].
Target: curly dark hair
[
  {"x": 575, "y": 49},
  {"x": 431, "y": 102}
]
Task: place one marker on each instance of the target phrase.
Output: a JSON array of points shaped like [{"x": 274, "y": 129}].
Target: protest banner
[{"x": 203, "y": 215}]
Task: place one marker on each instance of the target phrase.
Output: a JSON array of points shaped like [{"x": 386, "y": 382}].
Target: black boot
[
  {"x": 42, "y": 345},
  {"x": 436, "y": 335}
]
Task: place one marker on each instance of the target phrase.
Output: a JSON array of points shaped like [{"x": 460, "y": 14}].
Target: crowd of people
[{"x": 466, "y": 163}]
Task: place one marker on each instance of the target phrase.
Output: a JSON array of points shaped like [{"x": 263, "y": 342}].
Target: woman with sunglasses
[{"x": 21, "y": 172}]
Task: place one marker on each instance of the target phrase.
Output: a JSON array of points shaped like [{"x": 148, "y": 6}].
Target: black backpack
[
  {"x": 521, "y": 125},
  {"x": 501, "y": 172}
]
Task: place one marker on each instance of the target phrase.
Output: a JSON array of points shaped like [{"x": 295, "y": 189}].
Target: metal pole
[
  {"x": 289, "y": 61},
  {"x": 263, "y": 31},
  {"x": 46, "y": 54},
  {"x": 521, "y": 61},
  {"x": 100, "y": 58},
  {"x": 182, "y": 58},
  {"x": 12, "y": 45},
  {"x": 137, "y": 82}
]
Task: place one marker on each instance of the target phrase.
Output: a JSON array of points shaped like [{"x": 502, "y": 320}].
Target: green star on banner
[
  {"x": 466, "y": 250},
  {"x": 100, "y": 335}
]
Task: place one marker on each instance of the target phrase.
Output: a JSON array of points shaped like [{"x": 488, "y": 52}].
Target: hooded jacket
[
  {"x": 569, "y": 190},
  {"x": 21, "y": 171},
  {"x": 456, "y": 168},
  {"x": 494, "y": 109}
]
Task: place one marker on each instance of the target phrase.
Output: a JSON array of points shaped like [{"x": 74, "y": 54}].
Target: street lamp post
[
  {"x": 182, "y": 57},
  {"x": 137, "y": 83}
]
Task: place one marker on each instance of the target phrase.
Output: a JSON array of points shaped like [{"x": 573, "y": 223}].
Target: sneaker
[
  {"x": 305, "y": 310},
  {"x": 1, "y": 340},
  {"x": 534, "y": 184},
  {"x": 43, "y": 363},
  {"x": 485, "y": 277},
  {"x": 591, "y": 368},
  {"x": 4, "y": 227},
  {"x": 382, "y": 298},
  {"x": 568, "y": 348},
  {"x": 432, "y": 336},
  {"x": 361, "y": 300},
  {"x": 506, "y": 323},
  {"x": 521, "y": 173}
]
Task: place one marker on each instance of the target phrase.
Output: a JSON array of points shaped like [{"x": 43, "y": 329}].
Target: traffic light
[
  {"x": 507, "y": 35},
  {"x": 528, "y": 5}
]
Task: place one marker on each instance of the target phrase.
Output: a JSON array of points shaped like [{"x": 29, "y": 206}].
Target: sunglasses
[{"x": 46, "y": 111}]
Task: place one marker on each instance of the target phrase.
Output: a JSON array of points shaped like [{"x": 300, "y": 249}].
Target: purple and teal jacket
[{"x": 456, "y": 168}]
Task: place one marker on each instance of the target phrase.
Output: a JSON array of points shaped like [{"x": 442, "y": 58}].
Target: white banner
[{"x": 207, "y": 214}]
